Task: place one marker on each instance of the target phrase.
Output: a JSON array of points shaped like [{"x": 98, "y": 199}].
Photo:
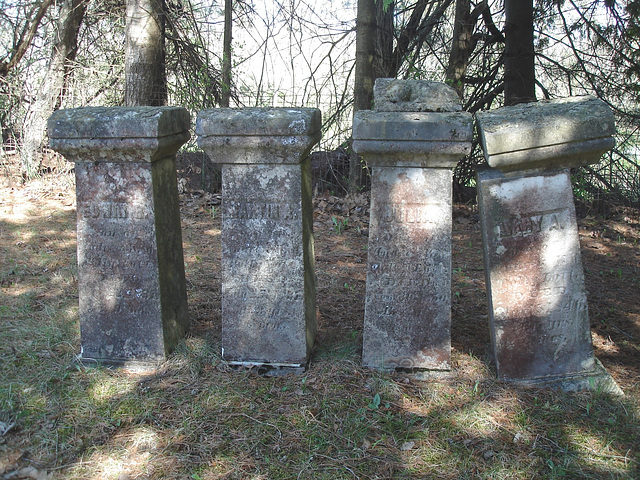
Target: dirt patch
[
  {"x": 610, "y": 249},
  {"x": 196, "y": 419},
  {"x": 611, "y": 256}
]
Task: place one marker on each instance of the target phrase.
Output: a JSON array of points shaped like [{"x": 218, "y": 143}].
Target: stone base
[
  {"x": 269, "y": 369},
  {"x": 421, "y": 374},
  {"x": 131, "y": 366},
  {"x": 598, "y": 380}
]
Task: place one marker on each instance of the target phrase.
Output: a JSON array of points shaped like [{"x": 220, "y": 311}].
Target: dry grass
[{"x": 196, "y": 419}]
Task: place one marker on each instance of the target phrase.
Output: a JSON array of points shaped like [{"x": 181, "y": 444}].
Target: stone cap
[
  {"x": 553, "y": 134},
  {"x": 118, "y": 122},
  {"x": 241, "y": 122},
  {"x": 118, "y": 134},
  {"x": 419, "y": 139},
  {"x": 258, "y": 135},
  {"x": 395, "y": 95}
]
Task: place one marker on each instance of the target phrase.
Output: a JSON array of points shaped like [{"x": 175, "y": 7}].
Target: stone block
[
  {"x": 259, "y": 135},
  {"x": 407, "y": 322},
  {"x": 412, "y": 139},
  {"x": 537, "y": 303},
  {"x": 392, "y": 95},
  {"x": 408, "y": 296},
  {"x": 538, "y": 311},
  {"x": 548, "y": 135},
  {"x": 268, "y": 276},
  {"x": 131, "y": 281}
]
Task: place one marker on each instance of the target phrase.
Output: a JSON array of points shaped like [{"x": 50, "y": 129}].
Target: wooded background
[{"x": 203, "y": 54}]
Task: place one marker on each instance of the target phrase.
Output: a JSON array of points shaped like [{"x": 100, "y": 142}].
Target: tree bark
[
  {"x": 461, "y": 46},
  {"x": 52, "y": 91},
  {"x": 145, "y": 76},
  {"x": 226, "y": 53},
  {"x": 365, "y": 53},
  {"x": 519, "y": 58},
  {"x": 374, "y": 54}
]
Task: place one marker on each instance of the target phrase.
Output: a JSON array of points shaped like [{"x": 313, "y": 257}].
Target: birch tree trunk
[{"x": 145, "y": 76}]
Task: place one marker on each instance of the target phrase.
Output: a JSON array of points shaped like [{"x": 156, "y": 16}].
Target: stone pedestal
[
  {"x": 268, "y": 276},
  {"x": 131, "y": 283},
  {"x": 536, "y": 293},
  {"x": 411, "y": 141}
]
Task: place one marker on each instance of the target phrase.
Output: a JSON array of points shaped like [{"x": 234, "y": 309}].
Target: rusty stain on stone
[{"x": 537, "y": 302}]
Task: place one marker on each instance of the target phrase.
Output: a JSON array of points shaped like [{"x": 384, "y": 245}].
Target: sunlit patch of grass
[
  {"x": 198, "y": 419},
  {"x": 105, "y": 387}
]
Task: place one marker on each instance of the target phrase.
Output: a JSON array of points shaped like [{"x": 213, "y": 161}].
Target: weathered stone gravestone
[
  {"x": 268, "y": 275},
  {"x": 411, "y": 141},
  {"x": 536, "y": 293},
  {"x": 131, "y": 282}
]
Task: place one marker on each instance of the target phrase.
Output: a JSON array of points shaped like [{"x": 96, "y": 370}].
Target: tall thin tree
[
  {"x": 519, "y": 58},
  {"x": 145, "y": 75},
  {"x": 226, "y": 53}
]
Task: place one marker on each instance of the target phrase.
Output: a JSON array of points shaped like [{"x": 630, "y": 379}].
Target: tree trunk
[
  {"x": 519, "y": 67},
  {"x": 145, "y": 77},
  {"x": 461, "y": 46},
  {"x": 52, "y": 90},
  {"x": 374, "y": 52},
  {"x": 226, "y": 53}
]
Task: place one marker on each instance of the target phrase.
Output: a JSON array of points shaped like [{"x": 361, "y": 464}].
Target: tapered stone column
[
  {"x": 268, "y": 277},
  {"x": 411, "y": 141},
  {"x": 537, "y": 303},
  {"x": 131, "y": 282}
]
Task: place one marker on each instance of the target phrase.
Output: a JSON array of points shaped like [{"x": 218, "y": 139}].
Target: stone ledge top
[
  {"x": 254, "y": 122},
  {"x": 394, "y": 95},
  {"x": 532, "y": 135},
  {"x": 118, "y": 122},
  {"x": 413, "y": 126}
]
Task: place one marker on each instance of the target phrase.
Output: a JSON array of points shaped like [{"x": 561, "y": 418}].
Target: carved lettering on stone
[
  {"x": 132, "y": 292},
  {"x": 538, "y": 307},
  {"x": 408, "y": 302}
]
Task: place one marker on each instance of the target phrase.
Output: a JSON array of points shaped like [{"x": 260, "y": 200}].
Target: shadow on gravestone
[
  {"x": 131, "y": 281},
  {"x": 268, "y": 276},
  {"x": 535, "y": 284},
  {"x": 411, "y": 141}
]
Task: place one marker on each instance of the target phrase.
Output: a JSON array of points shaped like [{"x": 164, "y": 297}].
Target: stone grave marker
[
  {"x": 268, "y": 276},
  {"x": 411, "y": 141},
  {"x": 537, "y": 302},
  {"x": 131, "y": 282}
]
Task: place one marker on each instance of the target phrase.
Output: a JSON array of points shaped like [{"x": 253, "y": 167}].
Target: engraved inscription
[
  {"x": 114, "y": 211},
  {"x": 255, "y": 210},
  {"x": 402, "y": 213},
  {"x": 408, "y": 287},
  {"x": 529, "y": 224},
  {"x": 539, "y": 311}
]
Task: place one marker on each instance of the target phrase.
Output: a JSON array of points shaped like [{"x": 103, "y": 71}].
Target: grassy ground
[{"x": 196, "y": 419}]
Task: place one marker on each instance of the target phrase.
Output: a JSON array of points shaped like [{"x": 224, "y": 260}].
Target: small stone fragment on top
[{"x": 393, "y": 95}]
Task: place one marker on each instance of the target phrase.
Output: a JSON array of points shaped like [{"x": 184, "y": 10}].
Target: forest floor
[{"x": 196, "y": 419}]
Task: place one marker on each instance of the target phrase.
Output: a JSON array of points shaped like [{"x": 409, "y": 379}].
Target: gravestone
[
  {"x": 411, "y": 141},
  {"x": 268, "y": 275},
  {"x": 131, "y": 281},
  {"x": 537, "y": 302}
]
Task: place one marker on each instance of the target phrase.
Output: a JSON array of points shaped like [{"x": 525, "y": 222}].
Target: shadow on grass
[{"x": 196, "y": 419}]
